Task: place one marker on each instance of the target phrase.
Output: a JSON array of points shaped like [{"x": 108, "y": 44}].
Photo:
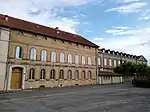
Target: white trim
[{"x": 10, "y": 74}]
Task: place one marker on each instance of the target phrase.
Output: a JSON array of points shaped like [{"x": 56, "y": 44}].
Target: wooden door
[{"x": 16, "y": 78}]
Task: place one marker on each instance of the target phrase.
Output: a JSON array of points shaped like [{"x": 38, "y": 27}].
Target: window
[
  {"x": 83, "y": 75},
  {"x": 33, "y": 54},
  {"x": 31, "y": 74},
  {"x": 43, "y": 55},
  {"x": 105, "y": 61},
  {"x": 69, "y": 74},
  {"x": 43, "y": 74},
  {"x": 118, "y": 62},
  {"x": 76, "y": 59},
  {"x": 107, "y": 77},
  {"x": 89, "y": 61},
  {"x": 70, "y": 58},
  {"x": 52, "y": 74},
  {"x": 110, "y": 62},
  {"x": 76, "y": 75},
  {"x": 115, "y": 64},
  {"x": 99, "y": 61},
  {"x": 83, "y": 60},
  {"x": 61, "y": 75},
  {"x": 18, "y": 52},
  {"x": 53, "y": 57},
  {"x": 62, "y": 57},
  {"x": 89, "y": 75}
]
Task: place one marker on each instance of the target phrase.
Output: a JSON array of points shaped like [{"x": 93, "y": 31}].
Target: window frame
[
  {"x": 18, "y": 55},
  {"x": 62, "y": 57},
  {"x": 53, "y": 56},
  {"x": 42, "y": 53},
  {"x": 42, "y": 74},
  {"x": 34, "y": 53},
  {"x": 52, "y": 74},
  {"x": 32, "y": 74},
  {"x": 61, "y": 76}
]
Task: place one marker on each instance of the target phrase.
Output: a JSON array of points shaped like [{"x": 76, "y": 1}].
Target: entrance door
[{"x": 16, "y": 78}]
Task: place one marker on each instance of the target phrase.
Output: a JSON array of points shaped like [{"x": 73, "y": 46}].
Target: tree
[{"x": 129, "y": 68}]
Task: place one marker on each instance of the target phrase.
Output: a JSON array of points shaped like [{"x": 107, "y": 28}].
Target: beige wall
[
  {"x": 4, "y": 40},
  {"x": 27, "y": 41}
]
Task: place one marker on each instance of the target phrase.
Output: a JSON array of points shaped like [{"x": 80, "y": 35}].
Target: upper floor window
[
  {"x": 62, "y": 57},
  {"x": 83, "y": 60},
  {"x": 89, "y": 61},
  {"x": 76, "y": 74},
  {"x": 33, "y": 54},
  {"x": 110, "y": 62},
  {"x": 61, "y": 75},
  {"x": 43, "y": 55},
  {"x": 18, "y": 52},
  {"x": 69, "y": 74},
  {"x": 89, "y": 75},
  {"x": 115, "y": 63},
  {"x": 99, "y": 61},
  {"x": 31, "y": 74},
  {"x": 105, "y": 61},
  {"x": 83, "y": 75},
  {"x": 43, "y": 74},
  {"x": 52, "y": 74},
  {"x": 53, "y": 57},
  {"x": 70, "y": 58},
  {"x": 76, "y": 59}
]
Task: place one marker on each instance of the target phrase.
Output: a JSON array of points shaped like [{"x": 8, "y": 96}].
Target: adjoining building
[
  {"x": 108, "y": 59},
  {"x": 36, "y": 56}
]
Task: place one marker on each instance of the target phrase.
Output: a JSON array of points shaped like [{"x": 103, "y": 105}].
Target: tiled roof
[{"x": 23, "y": 25}]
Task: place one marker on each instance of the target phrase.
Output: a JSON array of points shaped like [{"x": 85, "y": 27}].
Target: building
[
  {"x": 38, "y": 56},
  {"x": 108, "y": 59}
]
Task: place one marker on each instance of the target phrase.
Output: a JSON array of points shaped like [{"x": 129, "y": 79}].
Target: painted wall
[{"x": 4, "y": 41}]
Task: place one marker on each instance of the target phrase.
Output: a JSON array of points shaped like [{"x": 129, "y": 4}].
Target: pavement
[{"x": 98, "y": 98}]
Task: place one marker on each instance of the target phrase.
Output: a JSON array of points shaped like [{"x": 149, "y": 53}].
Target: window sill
[{"x": 31, "y": 80}]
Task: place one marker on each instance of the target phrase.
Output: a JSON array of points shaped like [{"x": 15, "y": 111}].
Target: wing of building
[{"x": 34, "y": 56}]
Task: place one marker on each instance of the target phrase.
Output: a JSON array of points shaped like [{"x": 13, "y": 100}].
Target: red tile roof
[{"x": 19, "y": 24}]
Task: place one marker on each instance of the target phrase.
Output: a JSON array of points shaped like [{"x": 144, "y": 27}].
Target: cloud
[
  {"x": 145, "y": 15},
  {"x": 134, "y": 41},
  {"x": 46, "y": 12},
  {"x": 128, "y": 8},
  {"x": 127, "y": 1}
]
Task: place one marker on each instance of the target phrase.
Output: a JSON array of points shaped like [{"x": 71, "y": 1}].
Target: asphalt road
[{"x": 102, "y": 98}]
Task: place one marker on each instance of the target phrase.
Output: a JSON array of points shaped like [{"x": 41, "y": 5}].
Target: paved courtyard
[{"x": 102, "y": 98}]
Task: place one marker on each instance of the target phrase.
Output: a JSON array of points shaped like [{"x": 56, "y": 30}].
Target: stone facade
[{"x": 28, "y": 40}]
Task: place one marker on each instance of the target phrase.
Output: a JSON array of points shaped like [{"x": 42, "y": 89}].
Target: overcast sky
[{"x": 122, "y": 25}]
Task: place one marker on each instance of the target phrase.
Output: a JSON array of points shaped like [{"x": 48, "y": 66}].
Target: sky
[{"x": 122, "y": 25}]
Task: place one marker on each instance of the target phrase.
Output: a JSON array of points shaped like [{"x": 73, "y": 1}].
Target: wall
[
  {"x": 27, "y": 41},
  {"x": 4, "y": 41}
]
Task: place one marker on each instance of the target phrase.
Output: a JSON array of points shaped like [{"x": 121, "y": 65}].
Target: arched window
[
  {"x": 62, "y": 57},
  {"x": 43, "y": 74},
  {"x": 43, "y": 55},
  {"x": 83, "y": 60},
  {"x": 83, "y": 75},
  {"x": 76, "y": 75},
  {"x": 33, "y": 54},
  {"x": 89, "y": 75},
  {"x": 76, "y": 59},
  {"x": 99, "y": 61},
  {"x": 61, "y": 75},
  {"x": 69, "y": 74},
  {"x": 53, "y": 57},
  {"x": 31, "y": 74},
  {"x": 70, "y": 58},
  {"x": 18, "y": 52},
  {"x": 52, "y": 74},
  {"x": 89, "y": 61}
]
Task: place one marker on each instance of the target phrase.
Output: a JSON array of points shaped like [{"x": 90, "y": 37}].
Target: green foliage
[{"x": 129, "y": 68}]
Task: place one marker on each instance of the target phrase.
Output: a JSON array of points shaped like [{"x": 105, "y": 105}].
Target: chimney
[
  {"x": 6, "y": 17},
  {"x": 56, "y": 28}
]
